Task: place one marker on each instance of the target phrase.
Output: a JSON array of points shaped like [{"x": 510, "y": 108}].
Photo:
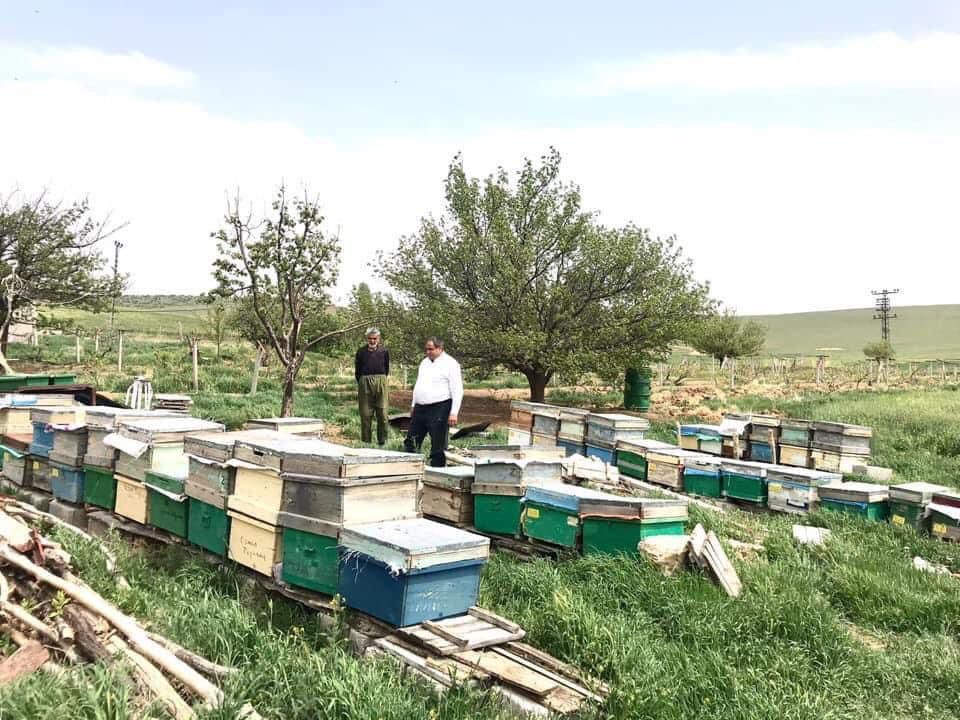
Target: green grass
[
  {"x": 669, "y": 647},
  {"x": 918, "y": 332}
]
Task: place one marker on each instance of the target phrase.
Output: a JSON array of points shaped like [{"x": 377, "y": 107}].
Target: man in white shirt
[{"x": 437, "y": 396}]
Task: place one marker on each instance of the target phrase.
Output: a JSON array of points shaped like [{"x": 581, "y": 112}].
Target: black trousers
[{"x": 432, "y": 419}]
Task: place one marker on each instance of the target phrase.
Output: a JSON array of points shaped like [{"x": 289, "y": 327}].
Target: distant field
[
  {"x": 147, "y": 320},
  {"x": 920, "y": 332}
]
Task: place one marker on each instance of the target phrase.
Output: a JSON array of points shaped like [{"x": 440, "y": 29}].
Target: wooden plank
[
  {"x": 721, "y": 566},
  {"x": 570, "y": 685},
  {"x": 447, "y": 635},
  {"x": 510, "y": 672},
  {"x": 549, "y": 664},
  {"x": 413, "y": 660},
  {"x": 563, "y": 701},
  {"x": 495, "y": 619},
  {"x": 24, "y": 661},
  {"x": 697, "y": 539}
]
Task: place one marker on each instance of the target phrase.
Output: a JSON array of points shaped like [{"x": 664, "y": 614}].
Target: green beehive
[
  {"x": 497, "y": 508},
  {"x": 631, "y": 464},
  {"x": 902, "y": 514},
  {"x": 870, "y": 511},
  {"x": 550, "y": 524},
  {"x": 208, "y": 526},
  {"x": 167, "y": 505},
  {"x": 99, "y": 487},
  {"x": 618, "y": 536},
  {"x": 745, "y": 487},
  {"x": 310, "y": 561}
]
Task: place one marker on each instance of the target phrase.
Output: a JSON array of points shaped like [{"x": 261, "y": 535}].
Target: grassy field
[
  {"x": 848, "y": 631},
  {"x": 919, "y": 332}
]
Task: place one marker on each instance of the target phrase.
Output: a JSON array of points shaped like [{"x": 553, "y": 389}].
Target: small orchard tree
[
  {"x": 281, "y": 268},
  {"x": 726, "y": 336},
  {"x": 517, "y": 274},
  {"x": 217, "y": 322},
  {"x": 879, "y": 350},
  {"x": 50, "y": 255}
]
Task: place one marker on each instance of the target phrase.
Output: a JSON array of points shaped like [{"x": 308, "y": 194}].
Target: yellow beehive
[
  {"x": 131, "y": 499},
  {"x": 255, "y": 544},
  {"x": 258, "y": 492},
  {"x": 794, "y": 456}
]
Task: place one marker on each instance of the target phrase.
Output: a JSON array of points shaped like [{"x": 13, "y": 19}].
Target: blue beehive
[
  {"x": 601, "y": 453},
  {"x": 761, "y": 452},
  {"x": 66, "y": 483},
  {"x": 405, "y": 572},
  {"x": 42, "y": 442},
  {"x": 572, "y": 447}
]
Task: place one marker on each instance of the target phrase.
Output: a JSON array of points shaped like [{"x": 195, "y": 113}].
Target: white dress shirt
[{"x": 439, "y": 380}]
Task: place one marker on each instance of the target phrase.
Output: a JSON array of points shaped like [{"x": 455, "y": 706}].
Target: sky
[{"x": 803, "y": 154}]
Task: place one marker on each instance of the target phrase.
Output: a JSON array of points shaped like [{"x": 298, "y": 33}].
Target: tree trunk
[
  {"x": 255, "y": 376},
  {"x": 289, "y": 382},
  {"x": 537, "y": 380}
]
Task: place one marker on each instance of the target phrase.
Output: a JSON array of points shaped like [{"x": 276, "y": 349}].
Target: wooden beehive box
[
  {"x": 131, "y": 499},
  {"x": 219, "y": 446},
  {"x": 447, "y": 495},
  {"x": 841, "y": 438},
  {"x": 18, "y": 468},
  {"x": 288, "y": 425},
  {"x": 519, "y": 438},
  {"x": 493, "y": 471},
  {"x": 546, "y": 421},
  {"x": 214, "y": 476},
  {"x": 165, "y": 458},
  {"x": 165, "y": 429},
  {"x": 40, "y": 473},
  {"x": 257, "y": 491},
  {"x": 521, "y": 415},
  {"x": 69, "y": 446},
  {"x": 514, "y": 452},
  {"x": 317, "y": 457},
  {"x": 254, "y": 543},
  {"x": 308, "y": 501},
  {"x": 665, "y": 466},
  {"x": 794, "y": 490},
  {"x": 58, "y": 414},
  {"x": 573, "y": 425},
  {"x": 796, "y": 432},
  {"x": 604, "y": 429}
]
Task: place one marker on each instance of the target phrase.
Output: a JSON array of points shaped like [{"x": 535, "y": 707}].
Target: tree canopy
[
  {"x": 518, "y": 274},
  {"x": 724, "y": 335},
  {"x": 879, "y": 350},
  {"x": 281, "y": 270}
]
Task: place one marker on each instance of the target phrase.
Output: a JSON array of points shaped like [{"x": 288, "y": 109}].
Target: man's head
[
  {"x": 373, "y": 337},
  {"x": 432, "y": 347}
]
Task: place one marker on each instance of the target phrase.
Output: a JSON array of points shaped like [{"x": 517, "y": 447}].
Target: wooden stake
[
  {"x": 196, "y": 371},
  {"x": 255, "y": 375},
  {"x": 120, "y": 351},
  {"x": 96, "y": 342},
  {"x": 79, "y": 348}
]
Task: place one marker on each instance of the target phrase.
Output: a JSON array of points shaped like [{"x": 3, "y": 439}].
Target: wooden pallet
[{"x": 479, "y": 649}]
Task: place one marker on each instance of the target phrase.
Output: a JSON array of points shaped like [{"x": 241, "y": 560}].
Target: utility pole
[
  {"x": 116, "y": 274},
  {"x": 884, "y": 311}
]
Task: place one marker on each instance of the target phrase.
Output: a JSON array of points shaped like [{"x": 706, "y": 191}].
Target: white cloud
[
  {"x": 90, "y": 67},
  {"x": 882, "y": 61},
  {"x": 778, "y": 219}
]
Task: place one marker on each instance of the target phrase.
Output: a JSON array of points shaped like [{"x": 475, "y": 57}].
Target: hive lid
[{"x": 412, "y": 544}]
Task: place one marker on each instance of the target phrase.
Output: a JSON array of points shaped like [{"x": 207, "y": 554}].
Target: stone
[
  {"x": 746, "y": 551},
  {"x": 667, "y": 552},
  {"x": 807, "y": 535},
  {"x": 925, "y": 566},
  {"x": 75, "y": 515}
]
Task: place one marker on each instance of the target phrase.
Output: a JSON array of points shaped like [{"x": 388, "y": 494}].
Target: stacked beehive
[
  {"x": 572, "y": 436},
  {"x": 909, "y": 503},
  {"x": 632, "y": 456},
  {"x": 152, "y": 445},
  {"x": 520, "y": 427},
  {"x": 63, "y": 479},
  {"x": 665, "y": 466},
  {"x": 292, "y": 497},
  {"x": 867, "y": 500},
  {"x": 546, "y": 426},
  {"x": 838, "y": 447},
  {"x": 698, "y": 437},
  {"x": 795, "y": 438},
  {"x": 764, "y": 438},
  {"x": 498, "y": 489},
  {"x": 604, "y": 430},
  {"x": 448, "y": 493},
  {"x": 794, "y": 490},
  {"x": 177, "y": 404}
]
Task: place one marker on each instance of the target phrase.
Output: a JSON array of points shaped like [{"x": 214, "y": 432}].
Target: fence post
[
  {"x": 196, "y": 370},
  {"x": 79, "y": 349},
  {"x": 120, "y": 351}
]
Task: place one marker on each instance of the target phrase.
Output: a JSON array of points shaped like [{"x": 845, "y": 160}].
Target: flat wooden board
[
  {"x": 24, "y": 661},
  {"x": 509, "y": 671},
  {"x": 477, "y": 629}
]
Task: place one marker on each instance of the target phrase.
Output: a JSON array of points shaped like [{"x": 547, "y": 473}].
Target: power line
[{"x": 884, "y": 311}]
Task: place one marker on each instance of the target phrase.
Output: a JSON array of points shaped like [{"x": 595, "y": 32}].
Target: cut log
[
  {"x": 137, "y": 636},
  {"x": 85, "y": 633},
  {"x": 26, "y": 660},
  {"x": 195, "y": 661},
  {"x": 152, "y": 679}
]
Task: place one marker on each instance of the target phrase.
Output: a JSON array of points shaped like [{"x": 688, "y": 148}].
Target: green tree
[
  {"x": 518, "y": 275},
  {"x": 50, "y": 255},
  {"x": 281, "y": 270},
  {"x": 218, "y": 317},
  {"x": 726, "y": 336},
  {"x": 879, "y": 350}
]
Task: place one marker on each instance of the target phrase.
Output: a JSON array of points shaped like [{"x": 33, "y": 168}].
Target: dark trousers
[
  {"x": 372, "y": 394},
  {"x": 432, "y": 419}
]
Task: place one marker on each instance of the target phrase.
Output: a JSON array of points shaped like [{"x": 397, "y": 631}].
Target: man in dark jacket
[{"x": 371, "y": 368}]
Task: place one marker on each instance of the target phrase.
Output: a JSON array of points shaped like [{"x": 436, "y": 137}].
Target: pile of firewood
[{"x": 57, "y": 620}]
